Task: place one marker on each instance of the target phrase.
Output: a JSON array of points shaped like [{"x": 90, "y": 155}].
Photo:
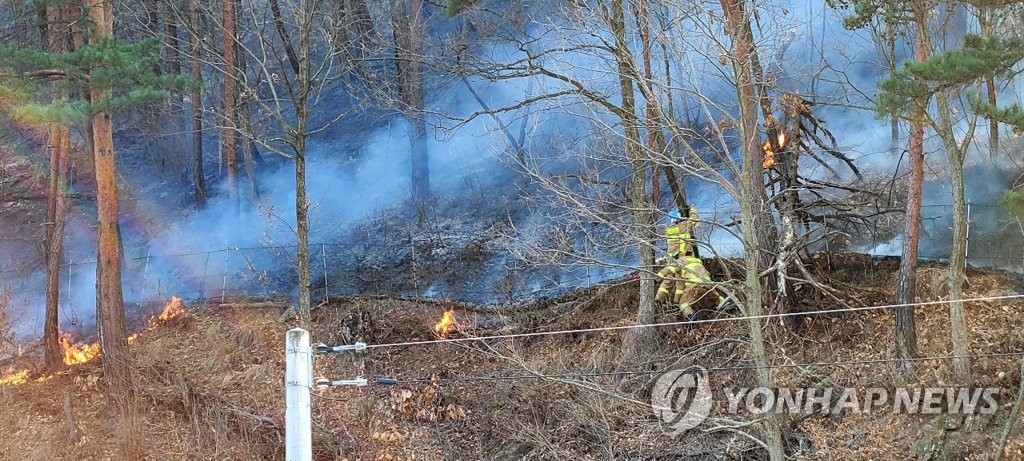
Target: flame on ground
[
  {"x": 77, "y": 353},
  {"x": 172, "y": 310},
  {"x": 13, "y": 377},
  {"x": 447, "y": 322}
]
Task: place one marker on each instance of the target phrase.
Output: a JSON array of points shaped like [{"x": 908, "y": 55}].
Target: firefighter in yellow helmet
[{"x": 684, "y": 272}]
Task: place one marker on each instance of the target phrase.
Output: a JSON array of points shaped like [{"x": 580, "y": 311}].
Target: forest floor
[{"x": 210, "y": 381}]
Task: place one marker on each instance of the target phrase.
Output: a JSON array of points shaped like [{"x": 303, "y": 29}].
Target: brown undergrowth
[{"x": 210, "y": 383}]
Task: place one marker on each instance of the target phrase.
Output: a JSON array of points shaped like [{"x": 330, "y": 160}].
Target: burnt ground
[{"x": 210, "y": 382}]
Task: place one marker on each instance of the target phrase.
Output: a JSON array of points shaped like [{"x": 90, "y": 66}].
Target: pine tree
[
  {"x": 891, "y": 15},
  {"x": 116, "y": 75},
  {"x": 954, "y": 70}
]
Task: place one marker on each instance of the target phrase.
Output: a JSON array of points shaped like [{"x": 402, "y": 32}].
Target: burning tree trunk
[
  {"x": 197, "y": 105},
  {"x": 229, "y": 141},
  {"x": 59, "y": 18},
  {"x": 752, "y": 206},
  {"x": 110, "y": 302}
]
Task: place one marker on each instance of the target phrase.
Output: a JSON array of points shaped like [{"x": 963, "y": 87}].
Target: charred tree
[{"x": 752, "y": 203}]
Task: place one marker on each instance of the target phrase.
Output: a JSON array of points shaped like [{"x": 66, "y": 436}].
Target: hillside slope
[{"x": 211, "y": 382}]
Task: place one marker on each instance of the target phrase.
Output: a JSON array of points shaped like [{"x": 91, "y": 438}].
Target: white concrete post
[{"x": 297, "y": 382}]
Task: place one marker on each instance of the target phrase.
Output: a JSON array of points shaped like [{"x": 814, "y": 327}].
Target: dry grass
[{"x": 209, "y": 384}]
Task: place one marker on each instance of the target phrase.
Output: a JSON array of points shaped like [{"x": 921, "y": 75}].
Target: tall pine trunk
[
  {"x": 198, "y": 180},
  {"x": 752, "y": 205},
  {"x": 110, "y": 302},
  {"x": 905, "y": 330}
]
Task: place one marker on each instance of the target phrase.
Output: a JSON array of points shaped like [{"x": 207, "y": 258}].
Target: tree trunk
[
  {"x": 894, "y": 122},
  {"x": 197, "y": 106},
  {"x": 58, "y": 37},
  {"x": 302, "y": 233},
  {"x": 60, "y": 145},
  {"x": 304, "y": 84},
  {"x": 282, "y": 32},
  {"x": 638, "y": 342},
  {"x": 655, "y": 139},
  {"x": 152, "y": 25},
  {"x": 420, "y": 160},
  {"x": 958, "y": 250},
  {"x": 229, "y": 141},
  {"x": 409, "y": 36},
  {"x": 249, "y": 151},
  {"x": 361, "y": 26},
  {"x": 905, "y": 333},
  {"x": 171, "y": 33},
  {"x": 110, "y": 303},
  {"x": 752, "y": 205},
  {"x": 990, "y": 85}
]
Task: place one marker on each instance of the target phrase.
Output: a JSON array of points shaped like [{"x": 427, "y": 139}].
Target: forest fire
[
  {"x": 446, "y": 324},
  {"x": 172, "y": 310},
  {"x": 14, "y": 377},
  {"x": 769, "y": 154},
  {"x": 75, "y": 354}
]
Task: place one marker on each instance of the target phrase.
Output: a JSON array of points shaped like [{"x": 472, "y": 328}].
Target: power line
[
  {"x": 732, "y": 368},
  {"x": 687, "y": 322}
]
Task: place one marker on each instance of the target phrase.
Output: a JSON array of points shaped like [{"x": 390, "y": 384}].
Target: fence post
[
  {"x": 202, "y": 283},
  {"x": 297, "y": 383},
  {"x": 145, "y": 275},
  {"x": 67, "y": 296},
  {"x": 967, "y": 237},
  {"x": 327, "y": 293},
  {"x": 224, "y": 279}
]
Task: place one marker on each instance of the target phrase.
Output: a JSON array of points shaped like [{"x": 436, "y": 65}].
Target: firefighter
[
  {"x": 679, "y": 232},
  {"x": 684, "y": 271},
  {"x": 679, "y": 236}
]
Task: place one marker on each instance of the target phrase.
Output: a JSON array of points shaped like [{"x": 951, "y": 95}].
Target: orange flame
[
  {"x": 447, "y": 322},
  {"x": 769, "y": 154},
  {"x": 172, "y": 310},
  {"x": 12, "y": 377},
  {"x": 77, "y": 353}
]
